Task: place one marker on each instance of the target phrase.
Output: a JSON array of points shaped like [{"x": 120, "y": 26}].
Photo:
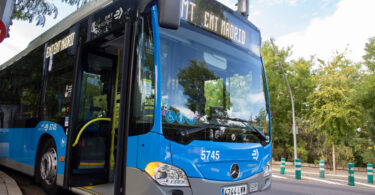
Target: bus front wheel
[{"x": 47, "y": 169}]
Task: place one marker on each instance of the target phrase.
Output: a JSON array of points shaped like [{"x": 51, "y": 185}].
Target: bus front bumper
[{"x": 138, "y": 182}]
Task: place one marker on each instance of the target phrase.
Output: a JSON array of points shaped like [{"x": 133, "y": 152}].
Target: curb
[{"x": 8, "y": 186}]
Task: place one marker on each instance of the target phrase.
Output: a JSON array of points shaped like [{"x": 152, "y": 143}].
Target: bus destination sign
[
  {"x": 214, "y": 18},
  {"x": 60, "y": 45}
]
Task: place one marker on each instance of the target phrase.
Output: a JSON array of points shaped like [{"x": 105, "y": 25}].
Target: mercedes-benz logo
[{"x": 234, "y": 171}]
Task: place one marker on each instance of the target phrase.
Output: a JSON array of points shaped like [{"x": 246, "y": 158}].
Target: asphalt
[{"x": 8, "y": 186}]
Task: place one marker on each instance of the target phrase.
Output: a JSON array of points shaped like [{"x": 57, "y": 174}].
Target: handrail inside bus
[{"x": 85, "y": 126}]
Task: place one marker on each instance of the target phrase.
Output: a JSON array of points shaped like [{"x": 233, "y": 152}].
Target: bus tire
[{"x": 47, "y": 167}]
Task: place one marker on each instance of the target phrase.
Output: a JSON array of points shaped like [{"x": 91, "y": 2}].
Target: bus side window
[
  {"x": 23, "y": 94},
  {"x": 143, "y": 99},
  {"x": 59, "y": 87}
]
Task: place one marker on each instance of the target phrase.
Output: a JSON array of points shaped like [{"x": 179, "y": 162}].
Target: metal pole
[{"x": 291, "y": 100}]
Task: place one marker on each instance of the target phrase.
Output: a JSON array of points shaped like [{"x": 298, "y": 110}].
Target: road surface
[{"x": 312, "y": 184}]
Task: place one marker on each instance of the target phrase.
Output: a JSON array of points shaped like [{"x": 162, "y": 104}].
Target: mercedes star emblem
[{"x": 234, "y": 171}]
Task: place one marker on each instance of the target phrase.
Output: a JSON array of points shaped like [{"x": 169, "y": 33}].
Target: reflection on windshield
[
  {"x": 191, "y": 78},
  {"x": 205, "y": 82}
]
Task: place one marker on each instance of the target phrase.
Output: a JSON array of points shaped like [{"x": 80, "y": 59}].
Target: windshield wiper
[
  {"x": 187, "y": 132},
  {"x": 248, "y": 124}
]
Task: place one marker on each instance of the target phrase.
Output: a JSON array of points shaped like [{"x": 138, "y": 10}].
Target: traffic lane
[{"x": 288, "y": 186}]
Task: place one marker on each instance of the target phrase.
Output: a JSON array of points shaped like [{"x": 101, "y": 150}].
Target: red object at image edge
[{"x": 2, "y": 31}]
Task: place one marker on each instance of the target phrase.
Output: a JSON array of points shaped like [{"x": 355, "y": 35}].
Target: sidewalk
[{"x": 8, "y": 186}]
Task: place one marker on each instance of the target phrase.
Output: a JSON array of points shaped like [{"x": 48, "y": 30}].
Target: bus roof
[{"x": 58, "y": 28}]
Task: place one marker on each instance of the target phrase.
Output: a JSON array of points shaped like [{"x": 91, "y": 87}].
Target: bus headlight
[
  {"x": 267, "y": 169},
  {"x": 166, "y": 175}
]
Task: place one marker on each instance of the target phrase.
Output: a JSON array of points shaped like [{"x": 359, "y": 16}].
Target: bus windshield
[{"x": 211, "y": 89}]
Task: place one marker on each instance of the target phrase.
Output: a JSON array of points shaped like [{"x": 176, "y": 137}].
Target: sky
[
  {"x": 310, "y": 27},
  {"x": 316, "y": 27}
]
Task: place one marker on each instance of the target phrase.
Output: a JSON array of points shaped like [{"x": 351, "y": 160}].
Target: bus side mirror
[{"x": 169, "y": 13}]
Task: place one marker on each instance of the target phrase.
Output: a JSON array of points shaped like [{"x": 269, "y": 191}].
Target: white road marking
[
  {"x": 280, "y": 177},
  {"x": 324, "y": 181},
  {"x": 367, "y": 185},
  {"x": 359, "y": 183}
]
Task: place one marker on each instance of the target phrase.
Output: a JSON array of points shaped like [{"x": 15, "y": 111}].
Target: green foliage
[
  {"x": 280, "y": 104},
  {"x": 369, "y": 57},
  {"x": 300, "y": 78},
  {"x": 367, "y": 88},
  {"x": 344, "y": 155},
  {"x": 333, "y": 111},
  {"x": 368, "y": 156},
  {"x": 37, "y": 10},
  {"x": 333, "y": 104}
]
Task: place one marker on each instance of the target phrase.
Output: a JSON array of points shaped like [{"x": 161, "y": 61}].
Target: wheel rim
[{"x": 48, "y": 166}]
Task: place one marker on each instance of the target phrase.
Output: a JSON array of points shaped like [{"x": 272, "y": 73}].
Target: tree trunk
[{"x": 333, "y": 158}]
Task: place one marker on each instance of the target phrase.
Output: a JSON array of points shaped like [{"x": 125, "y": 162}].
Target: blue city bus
[{"x": 140, "y": 97}]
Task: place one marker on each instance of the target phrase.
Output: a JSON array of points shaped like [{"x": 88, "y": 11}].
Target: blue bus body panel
[
  {"x": 213, "y": 160},
  {"x": 132, "y": 151},
  {"x": 156, "y": 38},
  {"x": 153, "y": 147},
  {"x": 268, "y": 98},
  {"x": 21, "y": 144},
  {"x": 268, "y": 148}
]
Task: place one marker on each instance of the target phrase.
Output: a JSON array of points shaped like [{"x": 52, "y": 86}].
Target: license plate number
[{"x": 234, "y": 190}]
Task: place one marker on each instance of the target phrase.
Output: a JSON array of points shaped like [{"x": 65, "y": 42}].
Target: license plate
[{"x": 234, "y": 190}]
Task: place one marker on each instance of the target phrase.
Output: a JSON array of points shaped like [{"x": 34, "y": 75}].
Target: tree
[
  {"x": 279, "y": 99},
  {"x": 302, "y": 85},
  {"x": 366, "y": 151},
  {"x": 369, "y": 57},
  {"x": 334, "y": 112},
  {"x": 367, "y": 88},
  {"x": 31, "y": 10}
]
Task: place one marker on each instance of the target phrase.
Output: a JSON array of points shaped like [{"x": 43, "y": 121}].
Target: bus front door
[{"x": 95, "y": 110}]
